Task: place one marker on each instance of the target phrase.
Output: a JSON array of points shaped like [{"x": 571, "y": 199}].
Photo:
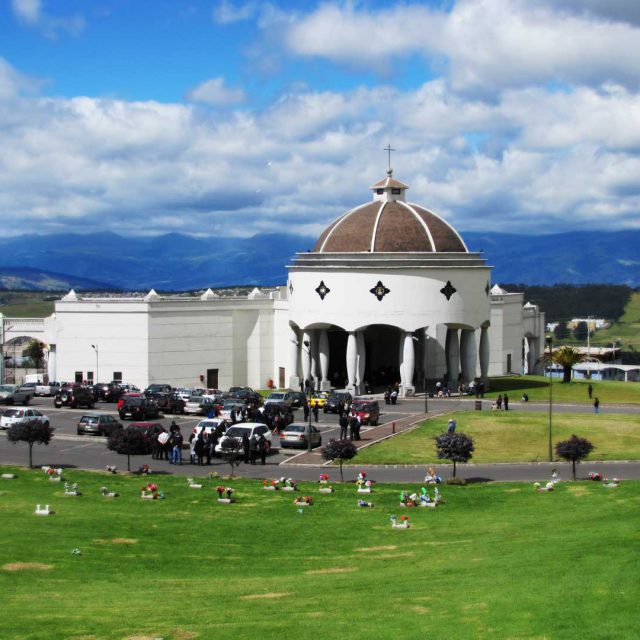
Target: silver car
[
  {"x": 296, "y": 435},
  {"x": 13, "y": 394}
]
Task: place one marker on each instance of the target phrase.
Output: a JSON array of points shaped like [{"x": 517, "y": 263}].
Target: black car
[
  {"x": 167, "y": 402},
  {"x": 74, "y": 396},
  {"x": 138, "y": 409},
  {"x": 153, "y": 389},
  {"x": 107, "y": 392},
  {"x": 334, "y": 400},
  {"x": 299, "y": 399}
]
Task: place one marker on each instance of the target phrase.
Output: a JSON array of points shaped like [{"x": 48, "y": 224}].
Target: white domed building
[{"x": 389, "y": 293}]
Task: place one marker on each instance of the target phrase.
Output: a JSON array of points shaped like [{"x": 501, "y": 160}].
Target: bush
[
  {"x": 339, "y": 450},
  {"x": 456, "y": 481}
]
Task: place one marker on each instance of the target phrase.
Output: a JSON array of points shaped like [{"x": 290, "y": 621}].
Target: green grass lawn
[
  {"x": 537, "y": 387},
  {"x": 626, "y": 328},
  {"x": 495, "y": 561},
  {"x": 512, "y": 437}
]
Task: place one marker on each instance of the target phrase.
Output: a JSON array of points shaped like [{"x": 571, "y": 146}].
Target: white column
[
  {"x": 408, "y": 364},
  {"x": 468, "y": 354},
  {"x": 453, "y": 358},
  {"x": 401, "y": 359},
  {"x": 533, "y": 355},
  {"x": 352, "y": 354},
  {"x": 292, "y": 361},
  {"x": 323, "y": 356},
  {"x": 305, "y": 352},
  {"x": 360, "y": 361},
  {"x": 314, "y": 356},
  {"x": 52, "y": 363},
  {"x": 484, "y": 353}
]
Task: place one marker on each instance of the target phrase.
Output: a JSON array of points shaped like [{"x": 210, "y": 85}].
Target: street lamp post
[
  {"x": 424, "y": 368},
  {"x": 95, "y": 348},
  {"x": 550, "y": 345},
  {"x": 307, "y": 344}
]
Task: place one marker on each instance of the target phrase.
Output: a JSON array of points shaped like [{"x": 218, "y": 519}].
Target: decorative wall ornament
[
  {"x": 487, "y": 289},
  {"x": 322, "y": 290},
  {"x": 448, "y": 290},
  {"x": 380, "y": 291},
  {"x": 290, "y": 287}
]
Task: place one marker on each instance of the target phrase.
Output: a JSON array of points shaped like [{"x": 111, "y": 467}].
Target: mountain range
[{"x": 176, "y": 262}]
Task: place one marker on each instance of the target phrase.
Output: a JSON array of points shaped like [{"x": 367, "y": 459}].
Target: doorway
[{"x": 212, "y": 378}]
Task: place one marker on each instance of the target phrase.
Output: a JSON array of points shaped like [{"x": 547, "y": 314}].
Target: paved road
[{"x": 89, "y": 452}]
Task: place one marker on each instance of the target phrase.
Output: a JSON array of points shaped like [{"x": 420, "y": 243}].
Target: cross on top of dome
[{"x": 389, "y": 189}]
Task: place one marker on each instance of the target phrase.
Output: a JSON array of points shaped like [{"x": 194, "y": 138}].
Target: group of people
[
  {"x": 254, "y": 447},
  {"x": 391, "y": 394},
  {"x": 351, "y": 423},
  {"x": 502, "y": 401}
]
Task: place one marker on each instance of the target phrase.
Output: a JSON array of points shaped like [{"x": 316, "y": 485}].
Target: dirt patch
[
  {"x": 315, "y": 614},
  {"x": 475, "y": 605},
  {"x": 387, "y": 556},
  {"x": 578, "y": 490},
  {"x": 124, "y": 541},
  {"x": 514, "y": 490},
  {"x": 26, "y": 566},
  {"x": 142, "y": 637},
  {"x": 184, "y": 635},
  {"x": 387, "y": 547},
  {"x": 317, "y": 572},
  {"x": 266, "y": 596},
  {"x": 421, "y": 610}
]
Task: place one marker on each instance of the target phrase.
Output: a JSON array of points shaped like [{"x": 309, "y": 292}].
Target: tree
[
  {"x": 231, "y": 449},
  {"x": 31, "y": 432},
  {"x": 340, "y": 450},
  {"x": 35, "y": 352},
  {"x": 561, "y": 331},
  {"x": 574, "y": 449},
  {"x": 457, "y": 447},
  {"x": 566, "y": 356},
  {"x": 129, "y": 442},
  {"x": 581, "y": 331}
]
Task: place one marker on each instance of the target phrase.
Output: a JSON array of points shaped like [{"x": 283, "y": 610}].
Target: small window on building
[
  {"x": 379, "y": 191},
  {"x": 509, "y": 363},
  {"x": 78, "y": 377},
  {"x": 396, "y": 192},
  {"x": 90, "y": 376},
  {"x": 117, "y": 376}
]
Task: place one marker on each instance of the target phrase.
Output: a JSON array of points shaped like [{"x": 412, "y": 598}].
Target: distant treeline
[{"x": 566, "y": 301}]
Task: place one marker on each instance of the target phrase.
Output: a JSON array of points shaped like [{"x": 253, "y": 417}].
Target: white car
[
  {"x": 250, "y": 428},
  {"x": 22, "y": 414},
  {"x": 209, "y": 425}
]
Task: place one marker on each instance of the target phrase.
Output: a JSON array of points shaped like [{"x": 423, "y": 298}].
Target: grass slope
[
  {"x": 626, "y": 329},
  {"x": 496, "y": 561},
  {"x": 512, "y": 437}
]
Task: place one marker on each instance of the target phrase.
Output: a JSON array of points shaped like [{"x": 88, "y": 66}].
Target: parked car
[
  {"x": 43, "y": 389},
  {"x": 99, "y": 424},
  {"x": 318, "y": 399},
  {"x": 200, "y": 405},
  {"x": 224, "y": 410},
  {"x": 167, "y": 402},
  {"x": 13, "y": 394},
  {"x": 158, "y": 388},
  {"x": 296, "y": 435},
  {"x": 367, "y": 409},
  {"x": 107, "y": 392},
  {"x": 127, "y": 388},
  {"x": 334, "y": 400},
  {"x": 138, "y": 409},
  {"x": 22, "y": 414},
  {"x": 283, "y": 399},
  {"x": 298, "y": 399},
  {"x": 245, "y": 393},
  {"x": 74, "y": 396},
  {"x": 125, "y": 396},
  {"x": 209, "y": 425},
  {"x": 250, "y": 428}
]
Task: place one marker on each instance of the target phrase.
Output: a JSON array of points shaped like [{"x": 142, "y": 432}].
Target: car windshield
[
  {"x": 362, "y": 406},
  {"x": 229, "y": 404},
  {"x": 297, "y": 428},
  {"x": 89, "y": 419},
  {"x": 13, "y": 413},
  {"x": 237, "y": 432},
  {"x": 7, "y": 387},
  {"x": 133, "y": 401},
  {"x": 276, "y": 396}
]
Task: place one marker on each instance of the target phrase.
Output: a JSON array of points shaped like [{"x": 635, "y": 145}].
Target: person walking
[
  {"x": 246, "y": 446},
  {"x": 596, "y": 405},
  {"x": 253, "y": 449},
  {"x": 499, "y": 402},
  {"x": 200, "y": 448},
  {"x": 315, "y": 412},
  {"x": 192, "y": 448},
  {"x": 344, "y": 425},
  {"x": 590, "y": 391},
  {"x": 305, "y": 408},
  {"x": 505, "y": 400},
  {"x": 262, "y": 448}
]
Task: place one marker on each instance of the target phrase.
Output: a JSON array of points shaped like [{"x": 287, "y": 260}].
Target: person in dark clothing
[
  {"x": 211, "y": 446},
  {"x": 353, "y": 425},
  {"x": 344, "y": 425},
  {"x": 315, "y": 412},
  {"x": 596, "y": 405},
  {"x": 499, "y": 402},
  {"x": 357, "y": 428},
  {"x": 262, "y": 448},
  {"x": 246, "y": 445},
  {"x": 305, "y": 408},
  {"x": 253, "y": 449},
  {"x": 505, "y": 401},
  {"x": 590, "y": 391},
  {"x": 156, "y": 447},
  {"x": 200, "y": 448}
]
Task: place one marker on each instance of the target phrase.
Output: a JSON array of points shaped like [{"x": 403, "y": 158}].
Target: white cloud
[
  {"x": 215, "y": 92},
  {"x": 31, "y": 13},
  {"x": 226, "y": 12}
]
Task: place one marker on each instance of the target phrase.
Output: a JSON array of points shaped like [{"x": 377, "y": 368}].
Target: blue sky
[{"x": 224, "y": 117}]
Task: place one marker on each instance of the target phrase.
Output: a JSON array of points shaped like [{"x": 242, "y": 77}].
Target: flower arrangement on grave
[
  {"x": 111, "y": 468},
  {"x": 303, "y": 500},
  {"x": 613, "y": 482},
  {"x": 71, "y": 490},
  {"x": 547, "y": 487},
  {"x": 222, "y": 490},
  {"x": 404, "y": 524},
  {"x": 408, "y": 500},
  {"x": 404, "y": 518},
  {"x": 144, "y": 470},
  {"x": 108, "y": 494},
  {"x": 324, "y": 478},
  {"x": 289, "y": 484},
  {"x": 364, "y": 503},
  {"x": 53, "y": 474},
  {"x": 361, "y": 478},
  {"x": 150, "y": 491},
  {"x": 595, "y": 476},
  {"x": 271, "y": 485}
]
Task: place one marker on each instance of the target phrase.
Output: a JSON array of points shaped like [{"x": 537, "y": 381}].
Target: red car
[{"x": 367, "y": 410}]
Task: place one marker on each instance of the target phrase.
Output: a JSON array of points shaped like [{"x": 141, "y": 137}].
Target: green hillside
[{"x": 626, "y": 329}]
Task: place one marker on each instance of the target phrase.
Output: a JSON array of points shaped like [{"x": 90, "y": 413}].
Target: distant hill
[{"x": 179, "y": 262}]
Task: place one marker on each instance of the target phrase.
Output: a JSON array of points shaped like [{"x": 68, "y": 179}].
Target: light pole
[
  {"x": 307, "y": 344},
  {"x": 550, "y": 345},
  {"x": 95, "y": 348},
  {"x": 424, "y": 368}
]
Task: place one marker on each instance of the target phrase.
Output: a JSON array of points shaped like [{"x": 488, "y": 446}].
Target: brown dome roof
[{"x": 389, "y": 225}]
